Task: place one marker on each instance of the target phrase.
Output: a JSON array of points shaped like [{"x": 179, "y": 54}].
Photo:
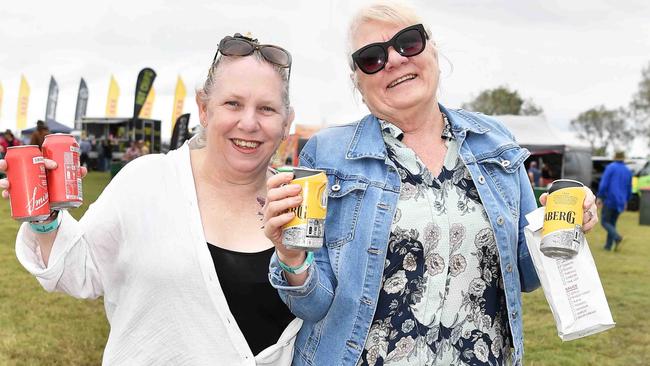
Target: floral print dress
[{"x": 442, "y": 300}]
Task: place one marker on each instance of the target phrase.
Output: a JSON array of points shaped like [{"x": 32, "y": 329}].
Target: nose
[
  {"x": 248, "y": 121},
  {"x": 394, "y": 59}
]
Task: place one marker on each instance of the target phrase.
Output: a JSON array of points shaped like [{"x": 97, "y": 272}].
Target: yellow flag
[
  {"x": 113, "y": 97},
  {"x": 145, "y": 112},
  {"x": 179, "y": 99},
  {"x": 23, "y": 103},
  {"x": 1, "y": 95}
]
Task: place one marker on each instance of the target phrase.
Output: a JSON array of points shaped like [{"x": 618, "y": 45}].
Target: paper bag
[{"x": 571, "y": 286}]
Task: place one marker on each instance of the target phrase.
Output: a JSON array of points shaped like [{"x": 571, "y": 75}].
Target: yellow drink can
[
  {"x": 562, "y": 232},
  {"x": 307, "y": 228}
]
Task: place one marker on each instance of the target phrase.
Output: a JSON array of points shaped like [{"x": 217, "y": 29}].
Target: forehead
[
  {"x": 248, "y": 75},
  {"x": 375, "y": 31}
]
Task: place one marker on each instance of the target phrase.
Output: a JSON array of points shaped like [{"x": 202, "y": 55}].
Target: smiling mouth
[
  {"x": 402, "y": 79},
  {"x": 245, "y": 144}
]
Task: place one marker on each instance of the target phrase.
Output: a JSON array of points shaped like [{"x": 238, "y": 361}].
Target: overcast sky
[{"x": 567, "y": 56}]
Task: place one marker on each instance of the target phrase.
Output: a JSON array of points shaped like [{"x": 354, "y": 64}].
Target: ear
[
  {"x": 287, "y": 123},
  {"x": 203, "y": 108}
]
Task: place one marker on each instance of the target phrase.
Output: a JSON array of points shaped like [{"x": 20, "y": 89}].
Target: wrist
[
  {"x": 48, "y": 225},
  {"x": 300, "y": 268},
  {"x": 294, "y": 259}
]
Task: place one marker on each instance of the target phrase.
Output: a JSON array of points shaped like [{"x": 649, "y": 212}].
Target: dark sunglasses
[
  {"x": 408, "y": 42},
  {"x": 243, "y": 46}
]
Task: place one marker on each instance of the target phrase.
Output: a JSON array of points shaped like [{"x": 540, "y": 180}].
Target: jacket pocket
[
  {"x": 343, "y": 205},
  {"x": 508, "y": 157},
  {"x": 502, "y": 166}
]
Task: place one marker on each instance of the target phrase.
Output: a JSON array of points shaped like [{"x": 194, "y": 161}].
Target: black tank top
[{"x": 260, "y": 313}]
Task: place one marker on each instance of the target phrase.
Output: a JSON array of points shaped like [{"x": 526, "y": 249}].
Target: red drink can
[
  {"x": 64, "y": 182},
  {"x": 27, "y": 183}
]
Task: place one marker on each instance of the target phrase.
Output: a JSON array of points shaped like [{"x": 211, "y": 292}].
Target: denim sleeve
[
  {"x": 312, "y": 300},
  {"x": 527, "y": 274}
]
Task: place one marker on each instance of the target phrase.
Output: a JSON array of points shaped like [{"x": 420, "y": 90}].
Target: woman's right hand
[
  {"x": 281, "y": 196},
  {"x": 49, "y": 164}
]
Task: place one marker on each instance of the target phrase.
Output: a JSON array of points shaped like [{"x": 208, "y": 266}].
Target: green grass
[
  {"x": 37, "y": 328},
  {"x": 624, "y": 276}
]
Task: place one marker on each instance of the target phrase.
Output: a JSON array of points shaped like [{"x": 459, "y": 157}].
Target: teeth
[
  {"x": 403, "y": 78},
  {"x": 248, "y": 144}
]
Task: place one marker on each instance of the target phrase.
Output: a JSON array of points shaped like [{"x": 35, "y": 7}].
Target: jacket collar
[{"x": 368, "y": 141}]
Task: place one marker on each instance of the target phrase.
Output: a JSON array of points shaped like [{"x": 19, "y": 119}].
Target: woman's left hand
[{"x": 590, "y": 217}]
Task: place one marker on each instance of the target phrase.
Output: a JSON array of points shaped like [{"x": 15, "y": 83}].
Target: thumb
[
  {"x": 542, "y": 199},
  {"x": 50, "y": 164}
]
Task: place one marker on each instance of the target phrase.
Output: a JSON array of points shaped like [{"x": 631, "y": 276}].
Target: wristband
[
  {"x": 301, "y": 268},
  {"x": 43, "y": 227}
]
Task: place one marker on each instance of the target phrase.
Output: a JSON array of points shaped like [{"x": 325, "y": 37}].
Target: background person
[
  {"x": 38, "y": 136},
  {"x": 132, "y": 152},
  {"x": 534, "y": 174},
  {"x": 614, "y": 191},
  {"x": 85, "y": 147},
  {"x": 173, "y": 244},
  {"x": 425, "y": 257}
]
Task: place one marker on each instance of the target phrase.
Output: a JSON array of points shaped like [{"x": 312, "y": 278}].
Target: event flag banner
[
  {"x": 179, "y": 100},
  {"x": 82, "y": 104},
  {"x": 23, "y": 103},
  {"x": 181, "y": 132},
  {"x": 113, "y": 97},
  {"x": 144, "y": 84},
  {"x": 52, "y": 99},
  {"x": 148, "y": 104}
]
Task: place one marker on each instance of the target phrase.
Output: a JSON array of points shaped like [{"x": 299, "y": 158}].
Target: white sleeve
[{"x": 81, "y": 252}]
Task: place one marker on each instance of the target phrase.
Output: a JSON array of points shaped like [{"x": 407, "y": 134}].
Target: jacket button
[
  {"x": 505, "y": 163},
  {"x": 336, "y": 188},
  {"x": 481, "y": 179},
  {"x": 509, "y": 268},
  {"x": 500, "y": 220},
  {"x": 514, "y": 314}
]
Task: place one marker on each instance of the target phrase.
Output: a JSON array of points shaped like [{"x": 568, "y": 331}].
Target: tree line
[{"x": 604, "y": 129}]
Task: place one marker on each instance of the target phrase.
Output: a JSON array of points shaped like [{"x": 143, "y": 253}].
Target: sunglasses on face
[
  {"x": 244, "y": 46},
  {"x": 408, "y": 42}
]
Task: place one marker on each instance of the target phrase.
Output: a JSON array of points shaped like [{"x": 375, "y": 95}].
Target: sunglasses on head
[
  {"x": 243, "y": 46},
  {"x": 408, "y": 42}
]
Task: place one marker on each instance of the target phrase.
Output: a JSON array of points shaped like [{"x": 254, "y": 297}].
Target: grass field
[{"x": 37, "y": 328}]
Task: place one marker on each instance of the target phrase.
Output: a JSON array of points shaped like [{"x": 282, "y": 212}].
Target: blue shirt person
[{"x": 614, "y": 191}]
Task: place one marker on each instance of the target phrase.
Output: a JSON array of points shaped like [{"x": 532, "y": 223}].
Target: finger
[
  {"x": 590, "y": 199},
  {"x": 277, "y": 208},
  {"x": 3, "y": 165},
  {"x": 4, "y": 183},
  {"x": 289, "y": 190},
  {"x": 5, "y": 194},
  {"x": 83, "y": 171},
  {"x": 273, "y": 227},
  {"x": 542, "y": 199},
  {"x": 278, "y": 180},
  {"x": 50, "y": 164}
]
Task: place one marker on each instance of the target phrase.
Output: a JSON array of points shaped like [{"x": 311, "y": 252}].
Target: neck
[
  {"x": 210, "y": 176},
  {"x": 419, "y": 122}
]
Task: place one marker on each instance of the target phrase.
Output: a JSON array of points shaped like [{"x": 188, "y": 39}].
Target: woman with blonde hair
[{"x": 425, "y": 258}]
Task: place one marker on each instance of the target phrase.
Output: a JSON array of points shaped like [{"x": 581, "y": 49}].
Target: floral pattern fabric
[{"x": 442, "y": 301}]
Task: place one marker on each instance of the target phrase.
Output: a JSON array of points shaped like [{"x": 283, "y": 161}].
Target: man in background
[
  {"x": 614, "y": 191},
  {"x": 534, "y": 174},
  {"x": 39, "y": 135}
]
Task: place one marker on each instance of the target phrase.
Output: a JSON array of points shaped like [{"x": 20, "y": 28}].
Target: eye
[
  {"x": 267, "y": 109},
  {"x": 232, "y": 104}
]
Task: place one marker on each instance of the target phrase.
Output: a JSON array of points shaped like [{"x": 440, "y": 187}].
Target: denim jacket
[{"x": 337, "y": 301}]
